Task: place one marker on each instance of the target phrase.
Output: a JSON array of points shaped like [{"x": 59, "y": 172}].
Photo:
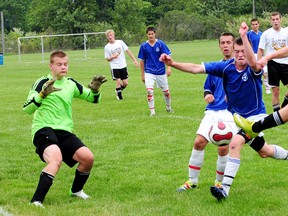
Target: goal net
[{"x": 47, "y": 43}]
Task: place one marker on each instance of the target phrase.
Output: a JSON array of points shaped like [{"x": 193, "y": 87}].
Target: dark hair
[
  {"x": 238, "y": 41},
  {"x": 58, "y": 53},
  {"x": 254, "y": 20},
  {"x": 150, "y": 28},
  {"x": 227, "y": 34}
]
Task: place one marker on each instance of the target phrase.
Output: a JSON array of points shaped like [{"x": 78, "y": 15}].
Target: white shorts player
[
  {"x": 211, "y": 117},
  {"x": 160, "y": 80}
]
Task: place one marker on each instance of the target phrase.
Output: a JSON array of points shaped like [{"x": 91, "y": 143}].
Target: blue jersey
[
  {"x": 214, "y": 85},
  {"x": 243, "y": 89},
  {"x": 254, "y": 39},
  {"x": 151, "y": 54}
]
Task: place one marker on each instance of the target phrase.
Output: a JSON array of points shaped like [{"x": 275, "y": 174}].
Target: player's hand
[
  {"x": 209, "y": 98},
  {"x": 166, "y": 59},
  {"x": 243, "y": 29},
  {"x": 96, "y": 83},
  {"x": 48, "y": 88},
  {"x": 262, "y": 62}
]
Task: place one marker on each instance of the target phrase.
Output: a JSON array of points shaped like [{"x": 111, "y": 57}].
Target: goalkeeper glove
[
  {"x": 96, "y": 83},
  {"x": 48, "y": 88}
]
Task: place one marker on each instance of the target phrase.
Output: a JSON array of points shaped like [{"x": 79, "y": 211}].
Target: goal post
[{"x": 42, "y": 37}]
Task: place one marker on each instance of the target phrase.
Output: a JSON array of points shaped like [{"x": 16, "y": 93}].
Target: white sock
[
  {"x": 220, "y": 167},
  {"x": 231, "y": 170},
  {"x": 195, "y": 163},
  {"x": 280, "y": 153},
  {"x": 167, "y": 99}
]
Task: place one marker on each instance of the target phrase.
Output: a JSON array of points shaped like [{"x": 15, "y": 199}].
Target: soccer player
[
  {"x": 115, "y": 55},
  {"x": 216, "y": 111},
  {"x": 152, "y": 70},
  {"x": 273, "y": 39},
  {"x": 254, "y": 37},
  {"x": 276, "y": 118},
  {"x": 242, "y": 83},
  {"x": 50, "y": 100}
]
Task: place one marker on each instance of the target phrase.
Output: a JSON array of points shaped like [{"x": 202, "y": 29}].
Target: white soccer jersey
[
  {"x": 272, "y": 41},
  {"x": 118, "y": 47}
]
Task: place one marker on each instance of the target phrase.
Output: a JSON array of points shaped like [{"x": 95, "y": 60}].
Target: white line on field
[{"x": 4, "y": 212}]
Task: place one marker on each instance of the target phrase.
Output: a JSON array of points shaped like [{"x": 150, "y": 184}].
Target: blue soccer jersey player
[
  {"x": 215, "y": 111},
  {"x": 242, "y": 84},
  {"x": 153, "y": 70}
]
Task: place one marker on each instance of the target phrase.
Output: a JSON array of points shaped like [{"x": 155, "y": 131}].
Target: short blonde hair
[{"x": 109, "y": 31}]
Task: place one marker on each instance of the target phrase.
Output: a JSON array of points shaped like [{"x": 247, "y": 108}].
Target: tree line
[{"x": 176, "y": 20}]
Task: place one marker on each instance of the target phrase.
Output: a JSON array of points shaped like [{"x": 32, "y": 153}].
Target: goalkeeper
[{"x": 50, "y": 99}]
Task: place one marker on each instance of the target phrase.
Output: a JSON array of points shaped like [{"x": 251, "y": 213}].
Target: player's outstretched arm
[
  {"x": 185, "y": 67},
  {"x": 282, "y": 53}
]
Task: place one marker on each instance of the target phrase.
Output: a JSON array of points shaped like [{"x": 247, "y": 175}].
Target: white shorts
[
  {"x": 211, "y": 117},
  {"x": 161, "y": 81}
]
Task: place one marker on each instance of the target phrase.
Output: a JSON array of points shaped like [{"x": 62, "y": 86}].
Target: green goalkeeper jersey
[{"x": 55, "y": 110}]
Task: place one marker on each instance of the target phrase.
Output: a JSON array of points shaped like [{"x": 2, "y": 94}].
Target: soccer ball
[{"x": 220, "y": 134}]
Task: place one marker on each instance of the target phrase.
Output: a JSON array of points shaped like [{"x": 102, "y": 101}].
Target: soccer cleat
[
  {"x": 218, "y": 184},
  {"x": 186, "y": 186},
  {"x": 152, "y": 112},
  {"x": 37, "y": 204},
  {"x": 79, "y": 194},
  {"x": 245, "y": 124},
  {"x": 169, "y": 109},
  {"x": 218, "y": 193},
  {"x": 117, "y": 96}
]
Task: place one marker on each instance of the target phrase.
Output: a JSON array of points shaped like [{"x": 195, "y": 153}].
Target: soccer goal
[{"x": 64, "y": 42}]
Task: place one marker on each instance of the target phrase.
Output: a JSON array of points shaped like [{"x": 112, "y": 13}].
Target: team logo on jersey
[
  {"x": 245, "y": 77},
  {"x": 157, "y": 49}
]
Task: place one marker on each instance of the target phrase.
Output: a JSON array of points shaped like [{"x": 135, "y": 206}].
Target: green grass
[{"x": 139, "y": 161}]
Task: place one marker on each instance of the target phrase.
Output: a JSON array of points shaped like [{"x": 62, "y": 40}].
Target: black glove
[
  {"x": 48, "y": 88},
  {"x": 96, "y": 83}
]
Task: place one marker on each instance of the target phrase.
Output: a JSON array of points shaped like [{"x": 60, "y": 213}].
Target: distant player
[
  {"x": 254, "y": 36},
  {"x": 273, "y": 39},
  {"x": 115, "y": 55},
  {"x": 153, "y": 71},
  {"x": 216, "y": 111}
]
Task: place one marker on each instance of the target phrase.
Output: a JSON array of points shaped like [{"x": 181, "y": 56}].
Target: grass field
[{"x": 139, "y": 161}]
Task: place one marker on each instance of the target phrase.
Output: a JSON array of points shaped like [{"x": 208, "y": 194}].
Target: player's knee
[
  {"x": 166, "y": 93},
  {"x": 56, "y": 163},
  {"x": 150, "y": 95},
  {"x": 199, "y": 144},
  {"x": 223, "y": 150},
  {"x": 89, "y": 160}
]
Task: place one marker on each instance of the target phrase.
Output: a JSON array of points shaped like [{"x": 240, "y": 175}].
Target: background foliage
[{"x": 176, "y": 20}]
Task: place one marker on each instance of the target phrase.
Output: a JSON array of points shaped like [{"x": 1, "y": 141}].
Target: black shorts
[
  {"x": 119, "y": 74},
  {"x": 277, "y": 72},
  {"x": 68, "y": 143}
]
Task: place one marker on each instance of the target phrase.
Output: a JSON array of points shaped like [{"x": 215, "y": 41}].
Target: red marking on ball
[{"x": 221, "y": 125}]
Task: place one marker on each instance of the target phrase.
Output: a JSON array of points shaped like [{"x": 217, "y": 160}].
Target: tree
[
  {"x": 128, "y": 19},
  {"x": 63, "y": 16},
  {"x": 14, "y": 14}
]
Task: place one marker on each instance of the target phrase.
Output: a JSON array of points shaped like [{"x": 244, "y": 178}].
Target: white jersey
[
  {"x": 117, "y": 47},
  {"x": 272, "y": 41}
]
